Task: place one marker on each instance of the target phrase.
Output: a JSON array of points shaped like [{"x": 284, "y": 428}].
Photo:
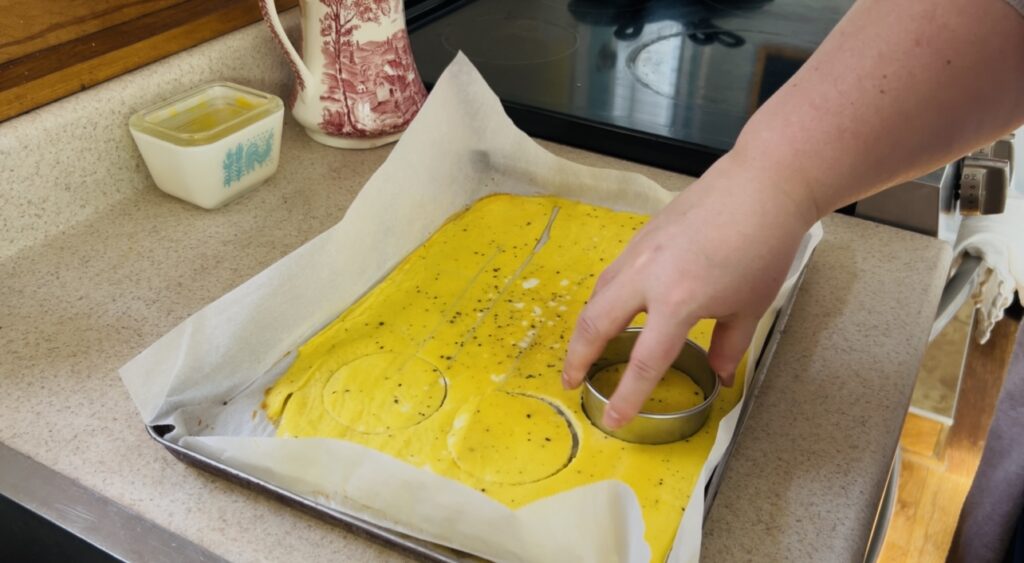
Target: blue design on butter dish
[
  {"x": 243, "y": 159},
  {"x": 211, "y": 144}
]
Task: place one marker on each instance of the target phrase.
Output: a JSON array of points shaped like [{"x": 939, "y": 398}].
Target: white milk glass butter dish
[{"x": 211, "y": 144}]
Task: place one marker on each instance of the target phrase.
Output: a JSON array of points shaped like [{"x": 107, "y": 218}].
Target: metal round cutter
[{"x": 653, "y": 428}]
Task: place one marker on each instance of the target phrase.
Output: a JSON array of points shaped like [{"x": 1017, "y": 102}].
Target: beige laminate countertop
[{"x": 96, "y": 264}]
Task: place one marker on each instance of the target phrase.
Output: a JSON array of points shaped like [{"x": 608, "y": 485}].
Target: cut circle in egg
[
  {"x": 511, "y": 439},
  {"x": 384, "y": 392}
]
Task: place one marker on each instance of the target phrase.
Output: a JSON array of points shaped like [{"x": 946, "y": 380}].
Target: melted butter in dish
[{"x": 453, "y": 363}]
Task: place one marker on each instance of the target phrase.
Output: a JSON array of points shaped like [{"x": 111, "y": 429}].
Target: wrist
[{"x": 758, "y": 186}]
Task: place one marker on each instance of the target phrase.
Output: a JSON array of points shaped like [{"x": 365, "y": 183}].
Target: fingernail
[
  {"x": 565, "y": 381},
  {"x": 612, "y": 419}
]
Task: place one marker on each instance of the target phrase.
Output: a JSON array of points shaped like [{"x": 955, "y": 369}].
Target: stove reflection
[
  {"x": 629, "y": 17},
  {"x": 690, "y": 72}
]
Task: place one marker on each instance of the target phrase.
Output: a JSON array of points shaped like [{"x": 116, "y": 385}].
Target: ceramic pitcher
[{"x": 356, "y": 84}]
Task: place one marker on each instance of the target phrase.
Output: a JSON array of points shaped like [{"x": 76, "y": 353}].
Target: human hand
[{"x": 721, "y": 249}]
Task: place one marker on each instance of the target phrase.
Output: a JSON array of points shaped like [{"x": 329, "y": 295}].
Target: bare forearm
[{"x": 899, "y": 88}]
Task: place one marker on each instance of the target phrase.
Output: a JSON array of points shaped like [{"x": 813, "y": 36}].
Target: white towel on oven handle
[{"x": 999, "y": 241}]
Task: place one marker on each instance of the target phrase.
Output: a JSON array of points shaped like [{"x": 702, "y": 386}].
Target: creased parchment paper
[{"x": 207, "y": 376}]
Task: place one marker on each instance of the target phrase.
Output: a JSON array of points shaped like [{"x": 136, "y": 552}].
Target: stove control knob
[
  {"x": 984, "y": 183},
  {"x": 1001, "y": 149}
]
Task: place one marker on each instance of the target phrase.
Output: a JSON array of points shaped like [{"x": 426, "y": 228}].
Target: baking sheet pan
[
  {"x": 425, "y": 550},
  {"x": 200, "y": 386}
]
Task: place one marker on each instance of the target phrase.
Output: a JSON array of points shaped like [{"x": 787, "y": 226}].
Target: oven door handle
[{"x": 958, "y": 289}]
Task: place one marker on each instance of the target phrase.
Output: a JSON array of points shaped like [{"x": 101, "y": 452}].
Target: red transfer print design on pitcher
[
  {"x": 299, "y": 83},
  {"x": 372, "y": 88}
]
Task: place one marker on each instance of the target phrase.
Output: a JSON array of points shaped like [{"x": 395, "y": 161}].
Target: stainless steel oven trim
[
  {"x": 95, "y": 519},
  {"x": 926, "y": 205},
  {"x": 958, "y": 289}
]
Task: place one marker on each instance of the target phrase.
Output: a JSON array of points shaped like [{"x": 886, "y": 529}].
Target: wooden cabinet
[{"x": 52, "y": 49}]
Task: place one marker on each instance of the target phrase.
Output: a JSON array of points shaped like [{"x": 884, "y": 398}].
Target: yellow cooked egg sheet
[{"x": 452, "y": 364}]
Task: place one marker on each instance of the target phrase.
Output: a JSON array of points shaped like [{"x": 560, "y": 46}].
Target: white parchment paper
[{"x": 207, "y": 375}]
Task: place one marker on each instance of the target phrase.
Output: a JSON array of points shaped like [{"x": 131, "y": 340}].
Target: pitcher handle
[{"x": 302, "y": 74}]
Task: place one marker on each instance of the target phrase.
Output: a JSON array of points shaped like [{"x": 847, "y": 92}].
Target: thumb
[{"x": 728, "y": 343}]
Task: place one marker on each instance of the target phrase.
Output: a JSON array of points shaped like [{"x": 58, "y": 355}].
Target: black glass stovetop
[{"x": 664, "y": 82}]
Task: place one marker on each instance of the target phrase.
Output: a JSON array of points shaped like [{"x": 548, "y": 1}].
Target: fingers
[
  {"x": 605, "y": 278},
  {"x": 728, "y": 343},
  {"x": 606, "y": 315},
  {"x": 655, "y": 350}
]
